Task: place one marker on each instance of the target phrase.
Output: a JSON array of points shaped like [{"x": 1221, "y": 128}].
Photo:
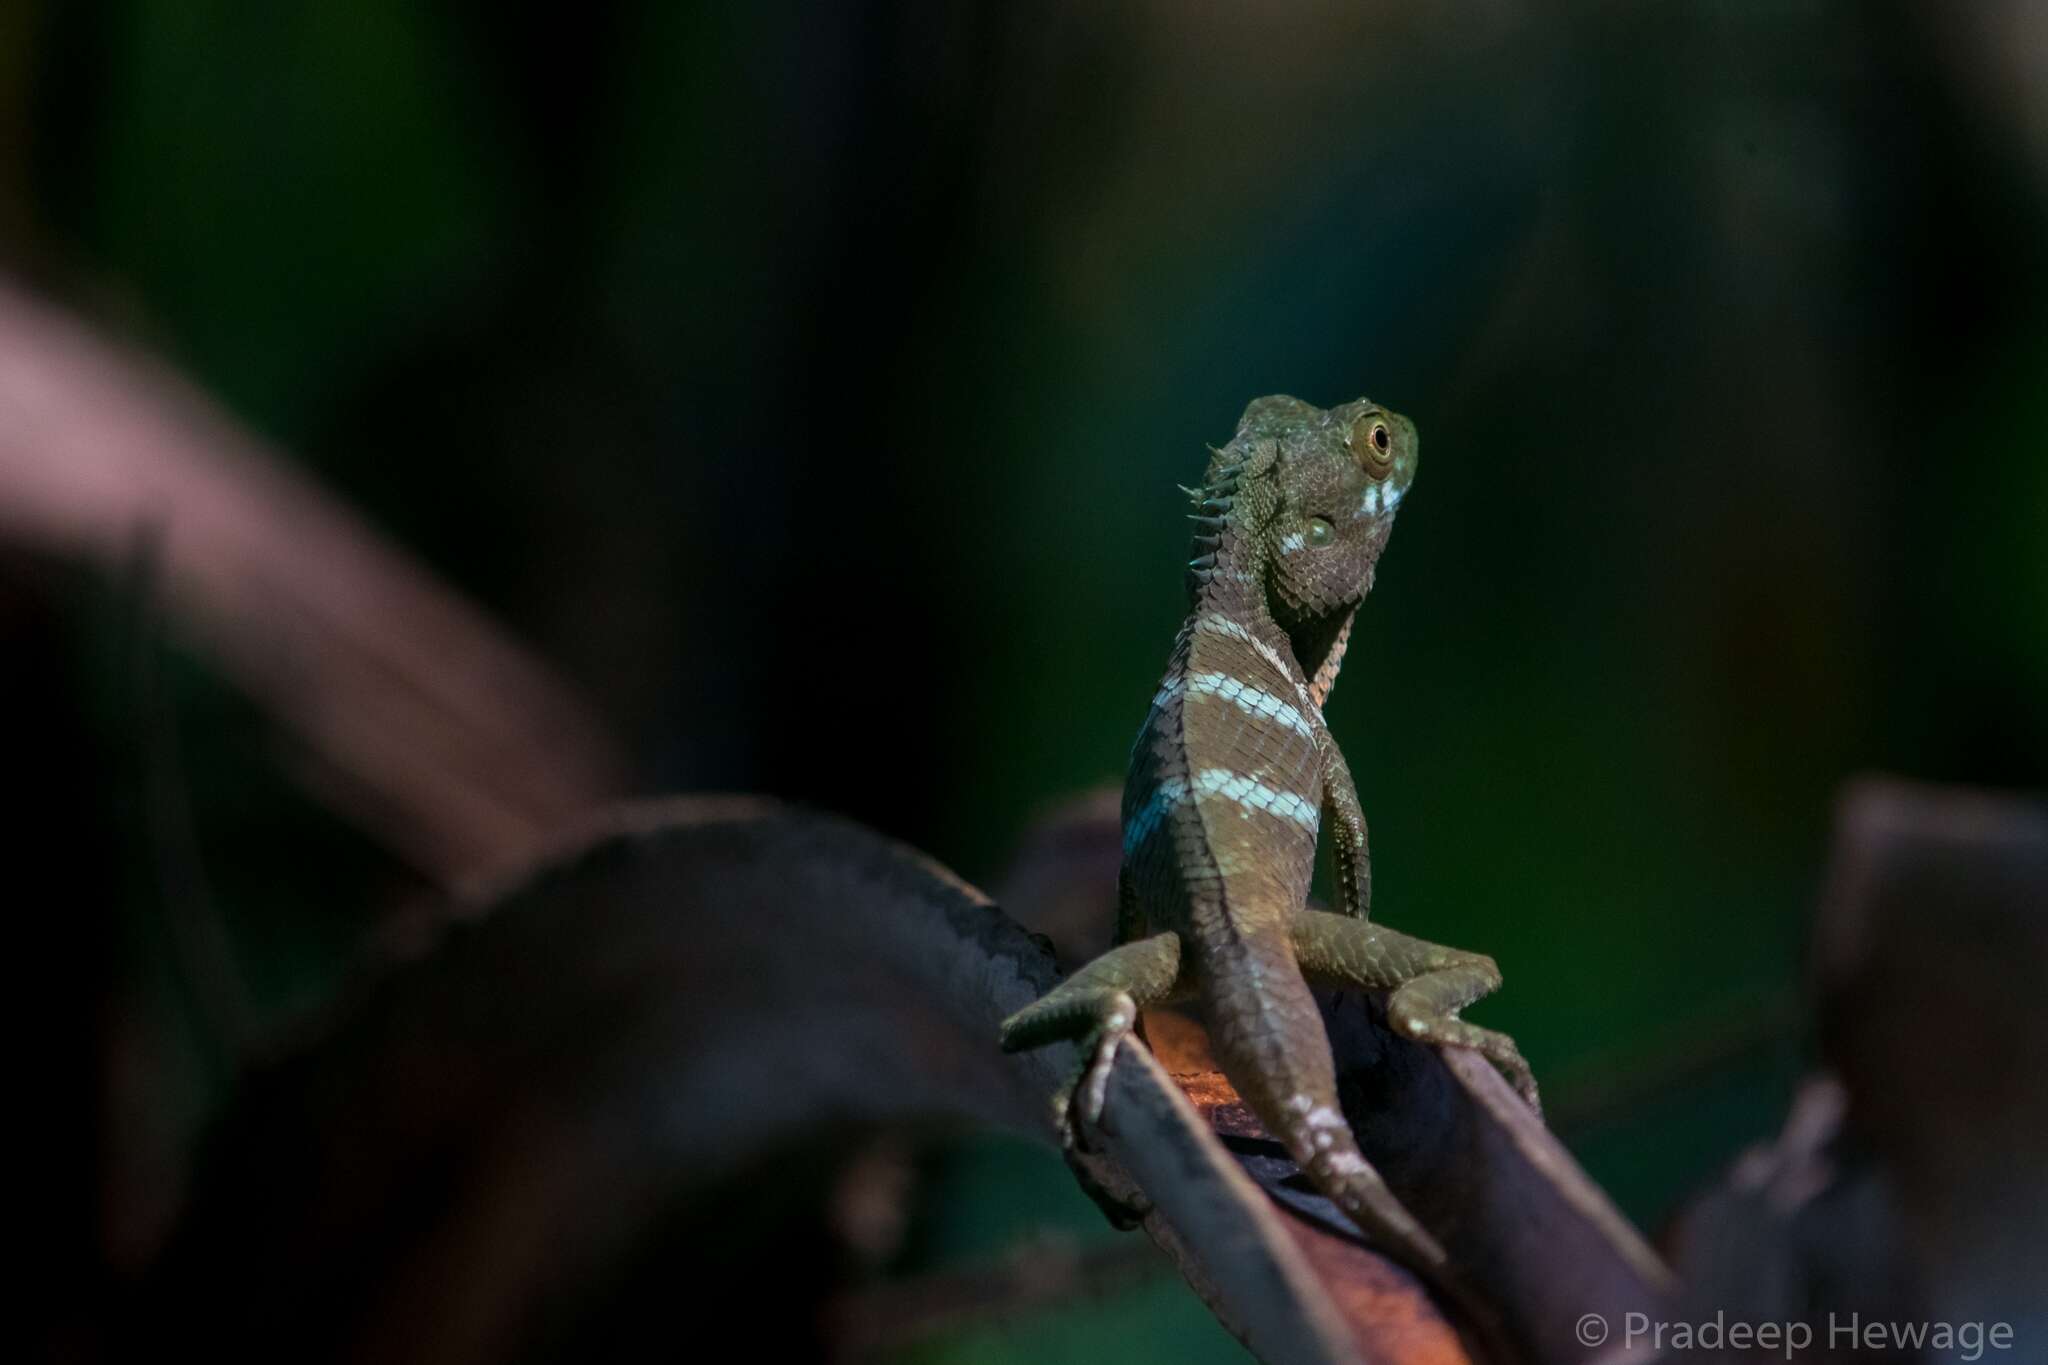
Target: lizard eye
[
  {"x": 1373, "y": 444},
  {"x": 1320, "y": 532}
]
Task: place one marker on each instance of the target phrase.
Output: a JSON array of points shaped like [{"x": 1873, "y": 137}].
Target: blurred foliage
[{"x": 812, "y": 383}]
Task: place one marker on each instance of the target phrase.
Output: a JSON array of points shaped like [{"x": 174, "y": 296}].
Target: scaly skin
[{"x": 1231, "y": 779}]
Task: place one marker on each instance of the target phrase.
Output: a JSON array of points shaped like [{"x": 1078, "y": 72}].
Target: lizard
[{"x": 1233, "y": 778}]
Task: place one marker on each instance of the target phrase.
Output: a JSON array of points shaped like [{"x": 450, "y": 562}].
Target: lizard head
[
  {"x": 1322, "y": 486},
  {"x": 1340, "y": 473}
]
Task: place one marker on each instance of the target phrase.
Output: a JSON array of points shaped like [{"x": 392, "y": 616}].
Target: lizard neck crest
[{"x": 1233, "y": 518}]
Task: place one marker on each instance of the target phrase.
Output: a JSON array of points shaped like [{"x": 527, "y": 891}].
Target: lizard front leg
[
  {"x": 1344, "y": 820},
  {"x": 1098, "y": 1006},
  {"x": 1429, "y": 983}
]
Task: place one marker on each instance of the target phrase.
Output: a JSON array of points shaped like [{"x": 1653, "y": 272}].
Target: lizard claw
[
  {"x": 1496, "y": 1047},
  {"x": 1500, "y": 1049},
  {"x": 1079, "y": 1106}
]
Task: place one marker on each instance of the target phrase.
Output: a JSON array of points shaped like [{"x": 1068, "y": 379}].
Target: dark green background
[{"x": 811, "y": 383}]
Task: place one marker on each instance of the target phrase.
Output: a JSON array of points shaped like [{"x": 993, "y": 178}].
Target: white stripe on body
[
  {"x": 1251, "y": 794},
  {"x": 1170, "y": 792},
  {"x": 1169, "y": 688},
  {"x": 1224, "y": 626},
  {"x": 1245, "y": 792},
  {"x": 1251, "y": 700}
]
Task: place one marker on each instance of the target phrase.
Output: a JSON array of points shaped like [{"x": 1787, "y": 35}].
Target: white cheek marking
[
  {"x": 1251, "y": 700},
  {"x": 1292, "y": 541},
  {"x": 1381, "y": 497}
]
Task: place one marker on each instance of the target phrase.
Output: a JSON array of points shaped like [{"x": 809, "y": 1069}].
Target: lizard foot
[
  {"x": 1496, "y": 1047},
  {"x": 1079, "y": 1106}
]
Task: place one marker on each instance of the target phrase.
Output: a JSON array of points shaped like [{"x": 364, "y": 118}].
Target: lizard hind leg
[
  {"x": 1429, "y": 984},
  {"x": 1097, "y": 1007}
]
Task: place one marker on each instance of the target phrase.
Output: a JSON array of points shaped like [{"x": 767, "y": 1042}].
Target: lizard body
[{"x": 1233, "y": 777}]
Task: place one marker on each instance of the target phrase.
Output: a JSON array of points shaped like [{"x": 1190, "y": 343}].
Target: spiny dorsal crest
[{"x": 1233, "y": 481}]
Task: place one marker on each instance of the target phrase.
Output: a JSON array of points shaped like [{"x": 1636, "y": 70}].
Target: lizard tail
[{"x": 1268, "y": 1037}]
